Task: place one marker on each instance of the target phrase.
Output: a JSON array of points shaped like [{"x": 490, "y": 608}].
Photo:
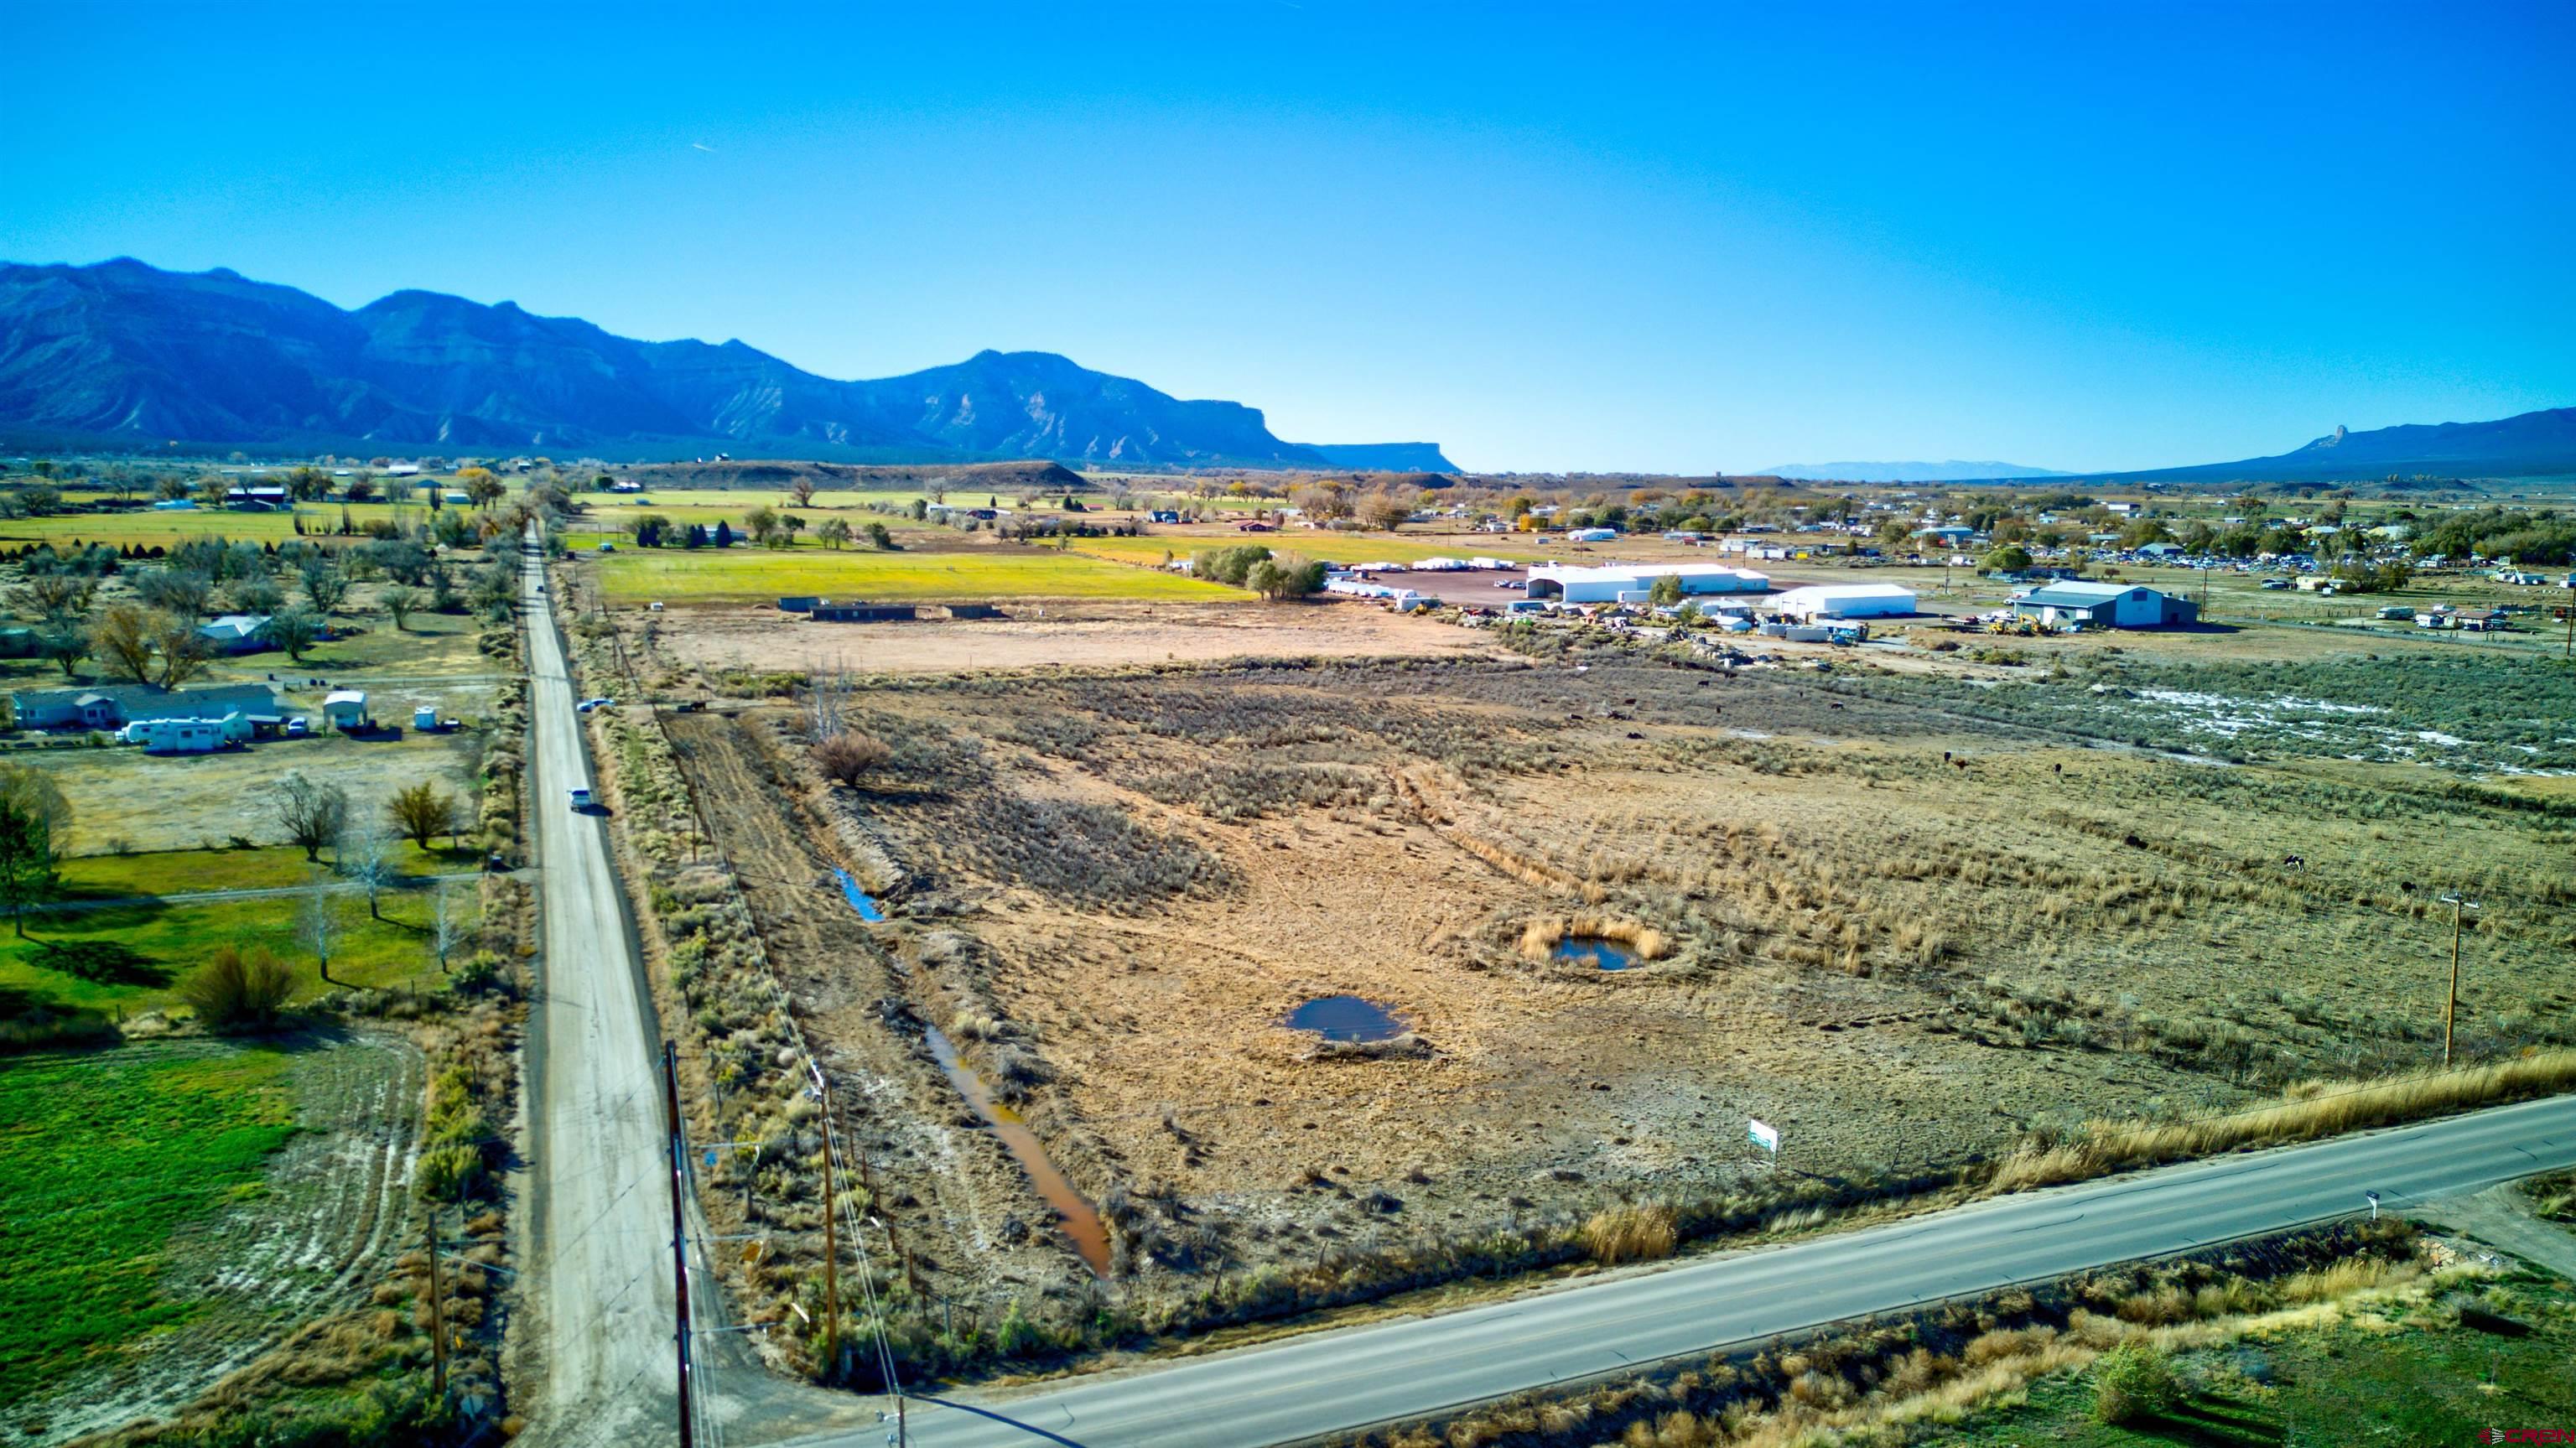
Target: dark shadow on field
[
  {"x": 101, "y": 962},
  {"x": 2214, "y": 1422}
]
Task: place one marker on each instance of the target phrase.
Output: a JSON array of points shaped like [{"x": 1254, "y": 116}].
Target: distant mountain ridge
[
  {"x": 1385, "y": 457},
  {"x": 2529, "y": 444},
  {"x": 1949, "y": 472},
  {"x": 125, "y": 353}
]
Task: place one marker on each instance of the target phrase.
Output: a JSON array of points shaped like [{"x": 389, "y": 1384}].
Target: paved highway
[{"x": 1350, "y": 1379}]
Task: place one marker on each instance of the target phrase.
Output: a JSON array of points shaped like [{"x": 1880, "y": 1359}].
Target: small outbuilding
[
  {"x": 346, "y": 710},
  {"x": 1846, "y": 600}
]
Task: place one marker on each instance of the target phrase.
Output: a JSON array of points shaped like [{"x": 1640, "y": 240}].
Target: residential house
[{"x": 114, "y": 706}]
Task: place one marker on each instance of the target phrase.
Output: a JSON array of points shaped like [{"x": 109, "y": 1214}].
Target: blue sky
[{"x": 1564, "y": 237}]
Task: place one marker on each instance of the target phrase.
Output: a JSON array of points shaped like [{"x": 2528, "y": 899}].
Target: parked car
[
  {"x": 297, "y": 729},
  {"x": 580, "y": 797},
  {"x": 586, "y": 705}
]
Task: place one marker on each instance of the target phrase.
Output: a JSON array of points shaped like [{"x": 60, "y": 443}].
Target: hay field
[
  {"x": 744, "y": 575},
  {"x": 1900, "y": 931}
]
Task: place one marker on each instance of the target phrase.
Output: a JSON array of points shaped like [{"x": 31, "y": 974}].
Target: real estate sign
[{"x": 1765, "y": 1137}]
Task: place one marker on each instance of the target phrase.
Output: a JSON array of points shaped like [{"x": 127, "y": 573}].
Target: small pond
[
  {"x": 1607, "y": 954},
  {"x": 1346, "y": 1018}
]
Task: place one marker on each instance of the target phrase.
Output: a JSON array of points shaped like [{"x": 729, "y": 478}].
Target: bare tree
[
  {"x": 317, "y": 924},
  {"x": 447, "y": 925},
  {"x": 311, "y": 814},
  {"x": 182, "y": 650},
  {"x": 827, "y": 702},
  {"x": 366, "y": 857}
]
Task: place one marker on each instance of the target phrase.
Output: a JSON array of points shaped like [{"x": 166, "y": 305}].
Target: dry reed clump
[
  {"x": 1542, "y": 935},
  {"x": 2314, "y": 1111},
  {"x": 1630, "y": 1232}
]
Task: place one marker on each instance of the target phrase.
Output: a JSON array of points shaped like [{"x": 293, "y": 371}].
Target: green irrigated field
[
  {"x": 1001, "y": 572},
  {"x": 150, "y": 527},
  {"x": 102, "y": 1159},
  {"x": 1183, "y": 541},
  {"x": 134, "y": 957}
]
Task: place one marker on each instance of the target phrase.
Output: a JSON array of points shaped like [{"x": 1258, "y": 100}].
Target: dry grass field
[{"x": 1908, "y": 918}]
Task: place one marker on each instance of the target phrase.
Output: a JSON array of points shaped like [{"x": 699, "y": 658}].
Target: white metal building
[
  {"x": 1630, "y": 582},
  {"x": 1846, "y": 600},
  {"x": 345, "y": 709}
]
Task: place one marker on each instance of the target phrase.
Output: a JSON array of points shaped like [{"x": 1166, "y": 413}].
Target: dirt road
[{"x": 598, "y": 1325}]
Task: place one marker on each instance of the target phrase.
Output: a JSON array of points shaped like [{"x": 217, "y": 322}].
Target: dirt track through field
[
  {"x": 939, "y": 1179},
  {"x": 321, "y": 1231}
]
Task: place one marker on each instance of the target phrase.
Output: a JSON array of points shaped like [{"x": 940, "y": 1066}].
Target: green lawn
[
  {"x": 172, "y": 872},
  {"x": 140, "y": 954},
  {"x": 102, "y": 1158},
  {"x": 744, "y": 575},
  {"x": 2426, "y": 1380}
]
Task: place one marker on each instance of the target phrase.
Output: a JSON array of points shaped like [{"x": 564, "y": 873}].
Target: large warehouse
[
  {"x": 1630, "y": 582},
  {"x": 1846, "y": 600},
  {"x": 2105, "y": 605}
]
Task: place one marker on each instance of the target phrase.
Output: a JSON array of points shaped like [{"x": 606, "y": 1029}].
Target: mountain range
[
  {"x": 2530, "y": 444},
  {"x": 125, "y": 354},
  {"x": 1950, "y": 472}
]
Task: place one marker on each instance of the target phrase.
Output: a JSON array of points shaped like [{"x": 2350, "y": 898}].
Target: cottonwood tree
[
  {"x": 832, "y": 533},
  {"x": 480, "y": 487},
  {"x": 1384, "y": 511},
  {"x": 180, "y": 651},
  {"x": 312, "y": 814},
  {"x": 802, "y": 490},
  {"x": 420, "y": 811},
  {"x": 60, "y": 596},
  {"x": 124, "y": 642},
  {"x": 34, "y": 818},
  {"x": 1666, "y": 591}
]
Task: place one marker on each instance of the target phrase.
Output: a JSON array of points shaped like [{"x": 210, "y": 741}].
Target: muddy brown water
[{"x": 1075, "y": 1217}]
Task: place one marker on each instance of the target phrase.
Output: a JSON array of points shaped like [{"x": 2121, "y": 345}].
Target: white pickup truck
[{"x": 580, "y": 798}]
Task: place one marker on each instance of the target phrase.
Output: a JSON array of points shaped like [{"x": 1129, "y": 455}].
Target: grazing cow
[{"x": 2298, "y": 862}]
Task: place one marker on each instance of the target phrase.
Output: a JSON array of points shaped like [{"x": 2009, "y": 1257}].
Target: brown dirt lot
[
  {"x": 1042, "y": 636},
  {"x": 1899, "y": 933}
]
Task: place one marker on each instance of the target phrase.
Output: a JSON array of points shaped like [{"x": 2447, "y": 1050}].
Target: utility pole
[
  {"x": 437, "y": 1313},
  {"x": 2451, "y": 1005},
  {"x": 2570, "y": 652},
  {"x": 679, "y": 1231},
  {"x": 831, "y": 1239}
]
